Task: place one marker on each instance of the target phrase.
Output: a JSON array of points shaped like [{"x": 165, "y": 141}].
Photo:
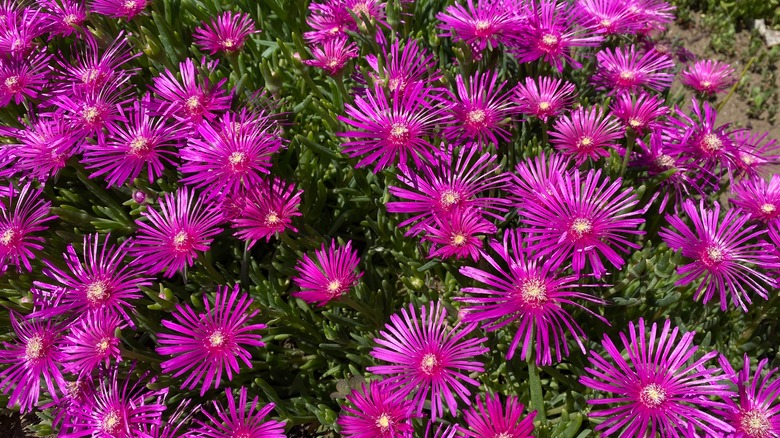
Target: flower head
[
  {"x": 332, "y": 276},
  {"x": 708, "y": 76},
  {"x": 22, "y": 215},
  {"x": 378, "y": 412},
  {"x": 126, "y": 9},
  {"x": 89, "y": 68},
  {"x": 194, "y": 98},
  {"x": 756, "y": 153},
  {"x": 761, "y": 199},
  {"x": 93, "y": 111},
  {"x": 608, "y": 17},
  {"x": 43, "y": 147},
  {"x": 495, "y": 419},
  {"x": 20, "y": 78},
  {"x": 536, "y": 179},
  {"x": 586, "y": 133},
  {"x": 544, "y": 97},
  {"x": 269, "y": 209},
  {"x": 64, "y": 16},
  {"x": 226, "y": 33},
  {"x": 481, "y": 25},
  {"x": 626, "y": 70},
  {"x": 333, "y": 55},
  {"x": 403, "y": 69},
  {"x": 756, "y": 413},
  {"x": 240, "y": 419},
  {"x": 92, "y": 341},
  {"x": 640, "y": 112},
  {"x": 457, "y": 234}
]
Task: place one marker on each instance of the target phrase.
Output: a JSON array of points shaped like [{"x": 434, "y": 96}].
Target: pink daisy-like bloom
[
  {"x": 722, "y": 257},
  {"x": 544, "y": 97},
  {"x": 393, "y": 130},
  {"x": 329, "y": 21},
  {"x": 640, "y": 112},
  {"x": 23, "y": 214},
  {"x": 92, "y": 68},
  {"x": 226, "y": 33},
  {"x": 480, "y": 26},
  {"x": 758, "y": 197},
  {"x": 330, "y": 277},
  {"x": 126, "y": 9},
  {"x": 21, "y": 26},
  {"x": 34, "y": 359},
  {"x": 268, "y": 211},
  {"x": 92, "y": 112},
  {"x": 608, "y": 17},
  {"x": 652, "y": 15},
  {"x": 171, "y": 239},
  {"x": 457, "y": 234},
  {"x": 96, "y": 280},
  {"x": 92, "y": 342},
  {"x": 756, "y": 414},
  {"x": 142, "y": 141},
  {"x": 550, "y": 33},
  {"x": 756, "y": 153},
  {"x": 208, "y": 343},
  {"x": 378, "y": 412},
  {"x": 428, "y": 358},
  {"x": 625, "y": 70},
  {"x": 194, "y": 98},
  {"x": 238, "y": 421},
  {"x": 495, "y": 419},
  {"x": 708, "y": 76},
  {"x": 536, "y": 179},
  {"x": 230, "y": 155},
  {"x": 20, "y": 78},
  {"x": 176, "y": 422},
  {"x": 77, "y": 395},
  {"x": 586, "y": 218},
  {"x": 43, "y": 147},
  {"x": 447, "y": 184},
  {"x": 64, "y": 17},
  {"x": 529, "y": 292},
  {"x": 586, "y": 133},
  {"x": 657, "y": 390},
  {"x": 480, "y": 111},
  {"x": 403, "y": 69},
  {"x": 333, "y": 55}
]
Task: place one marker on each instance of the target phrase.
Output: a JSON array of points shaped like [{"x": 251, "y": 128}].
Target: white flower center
[
  {"x": 216, "y": 339},
  {"x": 711, "y": 143},
  {"x": 652, "y": 395},
  {"x": 34, "y": 348},
  {"x": 580, "y": 227},
  {"x": 449, "y": 198},
  {"x": 399, "y": 134},
  {"x": 755, "y": 424},
  {"x": 97, "y": 292},
  {"x": 534, "y": 292},
  {"x": 429, "y": 363},
  {"x": 768, "y": 208}
]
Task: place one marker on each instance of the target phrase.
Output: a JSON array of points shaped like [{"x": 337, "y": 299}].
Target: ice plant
[
  {"x": 536, "y": 179},
  {"x": 402, "y": 69},
  {"x": 240, "y": 419},
  {"x": 206, "y": 344},
  {"x": 640, "y": 112},
  {"x": 92, "y": 342},
  {"x": 374, "y": 411},
  {"x": 22, "y": 215},
  {"x": 457, "y": 234},
  {"x": 629, "y": 71},
  {"x": 170, "y": 239},
  {"x": 544, "y": 97},
  {"x": 92, "y": 68},
  {"x": 194, "y": 98},
  {"x": 608, "y": 17},
  {"x": 663, "y": 388},
  {"x": 758, "y": 197},
  {"x": 126, "y": 9},
  {"x": 756, "y": 153},
  {"x": 42, "y": 147},
  {"x": 428, "y": 358},
  {"x": 756, "y": 412},
  {"x": 23, "y": 79},
  {"x": 330, "y": 277},
  {"x": 587, "y": 217},
  {"x": 479, "y": 26},
  {"x": 64, "y": 16},
  {"x": 32, "y": 360},
  {"x": 91, "y": 112},
  {"x": 708, "y": 76},
  {"x": 586, "y": 133},
  {"x": 226, "y": 33},
  {"x": 722, "y": 254},
  {"x": 495, "y": 419},
  {"x": 269, "y": 210},
  {"x": 530, "y": 292},
  {"x": 333, "y": 55}
]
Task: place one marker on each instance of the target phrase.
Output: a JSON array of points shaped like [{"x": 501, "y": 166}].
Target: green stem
[
  {"x": 545, "y": 138},
  {"x": 535, "y": 385},
  {"x": 630, "y": 140},
  {"x": 736, "y": 84}
]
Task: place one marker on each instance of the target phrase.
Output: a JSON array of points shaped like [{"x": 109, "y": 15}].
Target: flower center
[
  {"x": 91, "y": 114},
  {"x": 216, "y": 339},
  {"x": 228, "y": 44},
  {"x": 396, "y": 84},
  {"x": 747, "y": 159},
  {"x": 111, "y": 423},
  {"x": 711, "y": 143},
  {"x": 544, "y": 106},
  {"x": 634, "y": 122},
  {"x": 272, "y": 218},
  {"x": 399, "y": 134},
  {"x": 533, "y": 292},
  {"x": 130, "y": 4},
  {"x": 626, "y": 77},
  {"x": 449, "y": 198},
  {"x": 333, "y": 287},
  {"x": 97, "y": 292},
  {"x": 605, "y": 23},
  {"x": 476, "y": 117},
  {"x": 713, "y": 255},
  {"x": 193, "y": 105},
  {"x": 17, "y": 45},
  {"x": 383, "y": 422},
  {"x": 12, "y": 83},
  {"x": 90, "y": 76},
  {"x": 236, "y": 159},
  {"x": 361, "y": 9},
  {"x": 652, "y": 395},
  {"x": 755, "y": 424},
  {"x": 585, "y": 142},
  {"x": 103, "y": 345},
  {"x": 768, "y": 208},
  {"x": 7, "y": 237},
  {"x": 181, "y": 241},
  {"x": 70, "y": 19},
  {"x": 34, "y": 348},
  {"x": 664, "y": 161},
  {"x": 580, "y": 227},
  {"x": 458, "y": 239},
  {"x": 706, "y": 84},
  {"x": 139, "y": 146},
  {"x": 429, "y": 364},
  {"x": 333, "y": 63},
  {"x": 549, "y": 42}
]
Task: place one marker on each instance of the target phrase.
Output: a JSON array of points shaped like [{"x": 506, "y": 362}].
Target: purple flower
[
  {"x": 331, "y": 277},
  {"x": 21, "y": 215},
  {"x": 608, "y": 16},
  {"x": 708, "y": 76},
  {"x": 652, "y": 15},
  {"x": 194, "y": 98},
  {"x": 44, "y": 145},
  {"x": 428, "y": 357},
  {"x": 529, "y": 292},
  {"x": 34, "y": 359},
  {"x": 391, "y": 131},
  {"x": 334, "y": 18},
  {"x": 586, "y": 133},
  {"x": 586, "y": 218},
  {"x": 448, "y": 184},
  {"x": 20, "y": 27},
  {"x": 268, "y": 211},
  {"x": 171, "y": 239},
  {"x": 495, "y": 419},
  {"x": 238, "y": 421},
  {"x": 227, "y": 33},
  {"x": 536, "y": 179},
  {"x": 721, "y": 255},
  {"x": 93, "y": 70},
  {"x": 65, "y": 16},
  {"x": 480, "y": 111},
  {"x": 756, "y": 414},
  {"x": 639, "y": 112},
  {"x": 403, "y": 69},
  {"x": 333, "y": 55},
  {"x": 91, "y": 342},
  {"x": 544, "y": 97},
  {"x": 20, "y": 78},
  {"x": 126, "y": 9},
  {"x": 91, "y": 111},
  {"x": 626, "y": 70},
  {"x": 480, "y": 26},
  {"x": 208, "y": 343},
  {"x": 456, "y": 234},
  {"x": 657, "y": 391},
  {"x": 756, "y": 153},
  {"x": 378, "y": 412},
  {"x": 758, "y": 197}
]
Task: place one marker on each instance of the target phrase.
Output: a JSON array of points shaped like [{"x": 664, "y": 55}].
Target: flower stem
[
  {"x": 535, "y": 385},
  {"x": 736, "y": 84},
  {"x": 630, "y": 140}
]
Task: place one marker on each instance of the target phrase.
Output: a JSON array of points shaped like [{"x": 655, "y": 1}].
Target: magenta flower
[
  {"x": 628, "y": 71},
  {"x": 550, "y": 33},
  {"x": 328, "y": 21},
  {"x": 529, "y": 292},
  {"x": 34, "y": 359},
  {"x": 457, "y": 234},
  {"x": 756, "y": 414},
  {"x": 96, "y": 280},
  {"x": 640, "y": 112},
  {"x": 142, "y": 141},
  {"x": 268, "y": 211},
  {"x": 657, "y": 391},
  {"x": 708, "y": 76},
  {"x": 91, "y": 342},
  {"x": 722, "y": 257},
  {"x": 90, "y": 112},
  {"x": 448, "y": 184},
  {"x": 20, "y": 78},
  {"x": 544, "y": 97},
  {"x": 93, "y": 69},
  {"x": 21, "y": 26},
  {"x": 536, "y": 179},
  {"x": 171, "y": 239},
  {"x": 608, "y": 17},
  {"x": 586, "y": 218},
  {"x": 206, "y": 344},
  {"x": 586, "y": 133},
  {"x": 126, "y": 9},
  {"x": 427, "y": 356},
  {"x": 194, "y": 98},
  {"x": 652, "y": 15},
  {"x": 480, "y": 111},
  {"x": 494, "y": 419},
  {"x": 43, "y": 147},
  {"x": 238, "y": 421},
  {"x": 378, "y": 412},
  {"x": 761, "y": 199},
  {"x": 333, "y": 55},
  {"x": 64, "y": 16},
  {"x": 403, "y": 69},
  {"x": 485, "y": 25},
  {"x": 330, "y": 277},
  {"x": 22, "y": 215},
  {"x": 393, "y": 130},
  {"x": 756, "y": 153},
  {"x": 226, "y": 33}
]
